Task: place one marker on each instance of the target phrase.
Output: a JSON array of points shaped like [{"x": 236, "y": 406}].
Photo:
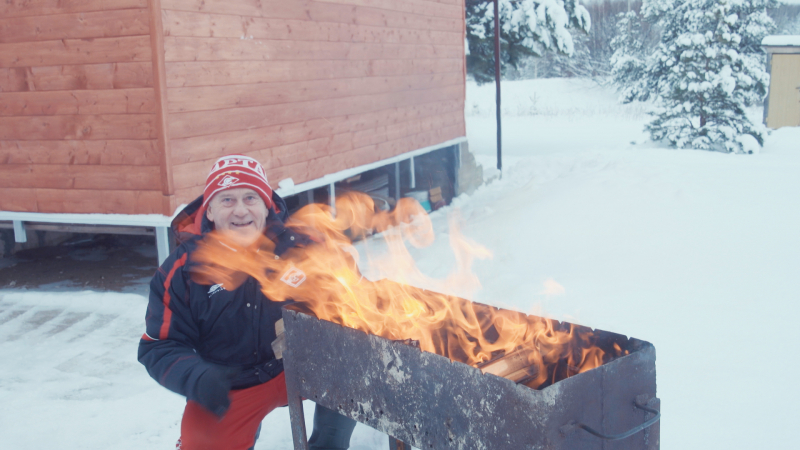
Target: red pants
[{"x": 202, "y": 430}]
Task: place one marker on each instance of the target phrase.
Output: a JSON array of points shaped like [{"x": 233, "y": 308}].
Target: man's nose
[{"x": 240, "y": 209}]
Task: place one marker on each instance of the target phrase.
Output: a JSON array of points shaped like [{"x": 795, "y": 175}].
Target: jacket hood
[{"x": 192, "y": 220}]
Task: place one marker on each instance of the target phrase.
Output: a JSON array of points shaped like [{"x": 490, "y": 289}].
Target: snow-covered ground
[{"x": 696, "y": 252}]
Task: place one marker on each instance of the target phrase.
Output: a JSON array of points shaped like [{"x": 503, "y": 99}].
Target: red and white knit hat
[{"x": 237, "y": 171}]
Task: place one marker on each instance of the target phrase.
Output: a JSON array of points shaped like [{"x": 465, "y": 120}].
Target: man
[{"x": 210, "y": 342}]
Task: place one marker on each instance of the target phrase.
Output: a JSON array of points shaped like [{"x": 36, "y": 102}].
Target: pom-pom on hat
[{"x": 237, "y": 171}]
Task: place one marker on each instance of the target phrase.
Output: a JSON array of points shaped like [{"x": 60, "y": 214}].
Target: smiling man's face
[{"x": 240, "y": 210}]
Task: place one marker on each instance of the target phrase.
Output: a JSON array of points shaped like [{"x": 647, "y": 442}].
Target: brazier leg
[
  {"x": 298, "y": 420},
  {"x": 652, "y": 438}
]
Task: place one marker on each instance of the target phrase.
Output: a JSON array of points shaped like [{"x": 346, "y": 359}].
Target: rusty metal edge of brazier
[{"x": 433, "y": 403}]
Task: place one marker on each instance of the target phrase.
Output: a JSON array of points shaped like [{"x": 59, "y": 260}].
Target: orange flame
[{"x": 324, "y": 279}]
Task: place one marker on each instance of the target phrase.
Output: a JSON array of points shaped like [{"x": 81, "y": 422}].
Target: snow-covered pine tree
[
  {"x": 528, "y": 27},
  {"x": 707, "y": 69},
  {"x": 632, "y": 46}
]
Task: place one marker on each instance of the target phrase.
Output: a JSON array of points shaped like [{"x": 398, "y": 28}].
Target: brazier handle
[{"x": 616, "y": 437}]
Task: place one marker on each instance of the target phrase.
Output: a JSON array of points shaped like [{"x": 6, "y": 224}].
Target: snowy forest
[
  {"x": 593, "y": 49},
  {"x": 698, "y": 62}
]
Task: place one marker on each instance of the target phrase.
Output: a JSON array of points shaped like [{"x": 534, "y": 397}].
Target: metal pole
[
  {"x": 413, "y": 174},
  {"x": 332, "y": 198},
  {"x": 19, "y": 232},
  {"x": 497, "y": 82},
  {"x": 162, "y": 244}
]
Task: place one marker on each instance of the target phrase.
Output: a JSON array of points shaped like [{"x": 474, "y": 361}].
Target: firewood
[
  {"x": 279, "y": 344},
  {"x": 514, "y": 366}
]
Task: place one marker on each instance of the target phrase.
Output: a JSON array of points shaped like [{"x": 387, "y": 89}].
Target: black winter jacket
[{"x": 190, "y": 326}]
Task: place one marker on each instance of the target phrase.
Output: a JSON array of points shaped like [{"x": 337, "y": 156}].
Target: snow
[
  {"x": 697, "y": 252},
  {"x": 781, "y": 41}
]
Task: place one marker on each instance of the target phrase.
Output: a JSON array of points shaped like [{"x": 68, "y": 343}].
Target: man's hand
[{"x": 212, "y": 389}]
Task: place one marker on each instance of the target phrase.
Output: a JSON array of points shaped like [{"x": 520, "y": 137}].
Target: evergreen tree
[
  {"x": 632, "y": 46},
  {"x": 528, "y": 28},
  {"x": 706, "y": 70}
]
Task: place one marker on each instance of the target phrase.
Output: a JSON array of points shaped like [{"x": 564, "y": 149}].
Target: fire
[{"x": 324, "y": 279}]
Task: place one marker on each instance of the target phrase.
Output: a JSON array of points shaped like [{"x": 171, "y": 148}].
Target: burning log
[{"x": 516, "y": 366}]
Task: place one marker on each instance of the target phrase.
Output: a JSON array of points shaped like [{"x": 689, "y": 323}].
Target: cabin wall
[
  {"x": 78, "y": 114},
  {"x": 784, "y": 91},
  {"x": 308, "y": 87}
]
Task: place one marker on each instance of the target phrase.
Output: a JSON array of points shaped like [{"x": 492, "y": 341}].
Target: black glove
[{"x": 212, "y": 389}]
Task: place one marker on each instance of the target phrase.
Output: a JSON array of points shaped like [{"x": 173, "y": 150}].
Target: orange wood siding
[
  {"x": 113, "y": 106},
  {"x": 77, "y": 77},
  {"x": 31, "y": 8},
  {"x": 83, "y": 201},
  {"x": 78, "y": 111},
  {"x": 309, "y": 87}
]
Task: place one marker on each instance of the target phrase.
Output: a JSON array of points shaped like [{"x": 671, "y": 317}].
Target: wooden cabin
[
  {"x": 113, "y": 111},
  {"x": 782, "y": 108},
  {"x": 121, "y": 106}
]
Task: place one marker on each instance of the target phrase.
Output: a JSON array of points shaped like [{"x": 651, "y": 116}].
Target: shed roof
[{"x": 781, "y": 44}]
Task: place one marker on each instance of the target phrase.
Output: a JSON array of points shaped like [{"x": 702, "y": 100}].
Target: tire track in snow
[
  {"x": 100, "y": 321},
  {"x": 13, "y": 314},
  {"x": 70, "y": 319},
  {"x": 38, "y": 319}
]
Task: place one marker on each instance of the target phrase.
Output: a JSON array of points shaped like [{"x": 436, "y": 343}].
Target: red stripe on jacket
[{"x": 168, "y": 312}]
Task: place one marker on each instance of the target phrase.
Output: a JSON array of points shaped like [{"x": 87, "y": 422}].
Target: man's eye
[
  {"x": 251, "y": 199},
  {"x": 227, "y": 201}
]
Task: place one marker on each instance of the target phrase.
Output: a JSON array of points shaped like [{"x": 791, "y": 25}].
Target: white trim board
[{"x": 135, "y": 220}]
